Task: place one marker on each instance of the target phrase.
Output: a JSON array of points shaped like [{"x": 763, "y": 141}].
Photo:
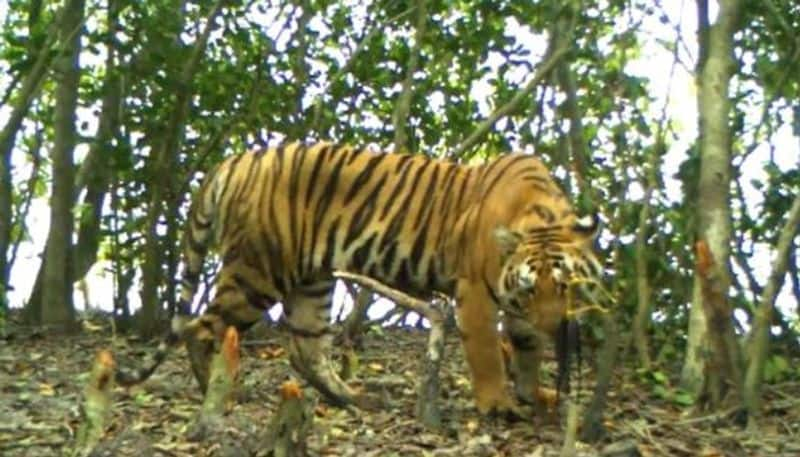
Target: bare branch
[
  {"x": 759, "y": 343},
  {"x": 400, "y": 115},
  {"x": 401, "y": 298},
  {"x": 783, "y": 80},
  {"x": 349, "y": 63},
  {"x": 541, "y": 73}
]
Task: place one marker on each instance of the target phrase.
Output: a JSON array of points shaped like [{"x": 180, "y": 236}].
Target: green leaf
[{"x": 682, "y": 398}]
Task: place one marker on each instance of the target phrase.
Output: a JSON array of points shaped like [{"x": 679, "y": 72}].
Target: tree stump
[
  {"x": 96, "y": 404},
  {"x": 219, "y": 398},
  {"x": 290, "y": 426}
]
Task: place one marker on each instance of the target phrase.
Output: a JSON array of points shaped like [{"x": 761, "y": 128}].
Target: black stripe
[
  {"x": 363, "y": 214},
  {"x": 388, "y": 258},
  {"x": 328, "y": 191},
  {"x": 278, "y": 168},
  {"x": 294, "y": 183},
  {"x": 404, "y": 273},
  {"x": 301, "y": 257},
  {"x": 361, "y": 254},
  {"x": 492, "y": 293},
  {"x": 352, "y": 154},
  {"x": 199, "y": 224},
  {"x": 500, "y": 174},
  {"x": 398, "y": 188},
  {"x": 402, "y": 160},
  {"x": 544, "y": 213},
  {"x": 396, "y": 224},
  {"x": 312, "y": 180},
  {"x": 447, "y": 185},
  {"x": 363, "y": 178},
  {"x": 225, "y": 197},
  {"x": 418, "y": 248},
  {"x": 232, "y": 163},
  {"x": 427, "y": 198},
  {"x": 433, "y": 274},
  {"x": 538, "y": 178},
  {"x": 319, "y": 290},
  {"x": 330, "y": 245},
  {"x": 462, "y": 190},
  {"x": 324, "y": 202}
]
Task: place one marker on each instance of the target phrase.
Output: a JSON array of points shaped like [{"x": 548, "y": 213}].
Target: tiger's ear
[
  {"x": 507, "y": 240},
  {"x": 587, "y": 226}
]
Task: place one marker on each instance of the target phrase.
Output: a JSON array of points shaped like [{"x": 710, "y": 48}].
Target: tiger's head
[{"x": 542, "y": 265}]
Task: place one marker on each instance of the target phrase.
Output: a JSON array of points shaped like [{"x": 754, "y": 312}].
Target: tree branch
[
  {"x": 759, "y": 343},
  {"x": 349, "y": 63},
  {"x": 400, "y": 115},
  {"x": 541, "y": 73}
]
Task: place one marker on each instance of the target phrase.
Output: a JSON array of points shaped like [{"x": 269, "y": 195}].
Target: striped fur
[{"x": 500, "y": 236}]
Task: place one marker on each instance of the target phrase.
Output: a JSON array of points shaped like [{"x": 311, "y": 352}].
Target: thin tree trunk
[
  {"x": 95, "y": 172},
  {"x": 542, "y": 71},
  {"x": 403, "y": 106},
  {"x": 759, "y": 342},
  {"x": 57, "y": 308},
  {"x": 643, "y": 292},
  {"x": 93, "y": 175},
  {"x": 20, "y": 106},
  {"x": 163, "y": 187}
]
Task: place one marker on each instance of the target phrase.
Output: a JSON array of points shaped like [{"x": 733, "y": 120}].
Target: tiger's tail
[{"x": 197, "y": 237}]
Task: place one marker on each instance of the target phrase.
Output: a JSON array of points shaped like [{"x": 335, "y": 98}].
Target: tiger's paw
[
  {"x": 542, "y": 401},
  {"x": 502, "y": 406},
  {"x": 369, "y": 402},
  {"x": 547, "y": 398}
]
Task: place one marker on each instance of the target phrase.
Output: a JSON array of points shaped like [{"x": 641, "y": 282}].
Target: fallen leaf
[
  {"x": 46, "y": 390},
  {"x": 270, "y": 353}
]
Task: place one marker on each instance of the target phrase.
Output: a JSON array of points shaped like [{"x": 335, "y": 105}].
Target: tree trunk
[
  {"x": 95, "y": 172},
  {"x": 20, "y": 106},
  {"x": 692, "y": 373},
  {"x": 715, "y": 69},
  {"x": 164, "y": 186},
  {"x": 643, "y": 291},
  {"x": 94, "y": 175},
  {"x": 57, "y": 308},
  {"x": 401, "y": 110},
  {"x": 759, "y": 342}
]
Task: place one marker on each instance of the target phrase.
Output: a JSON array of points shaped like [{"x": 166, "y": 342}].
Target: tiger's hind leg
[
  {"x": 235, "y": 304},
  {"x": 307, "y": 314}
]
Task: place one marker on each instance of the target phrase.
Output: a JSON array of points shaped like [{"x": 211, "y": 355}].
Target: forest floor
[{"x": 41, "y": 382}]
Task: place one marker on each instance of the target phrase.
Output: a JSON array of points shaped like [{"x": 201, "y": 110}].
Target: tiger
[{"x": 501, "y": 238}]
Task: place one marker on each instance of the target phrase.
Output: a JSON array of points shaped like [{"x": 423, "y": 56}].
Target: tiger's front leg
[
  {"x": 528, "y": 346},
  {"x": 477, "y": 324}
]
